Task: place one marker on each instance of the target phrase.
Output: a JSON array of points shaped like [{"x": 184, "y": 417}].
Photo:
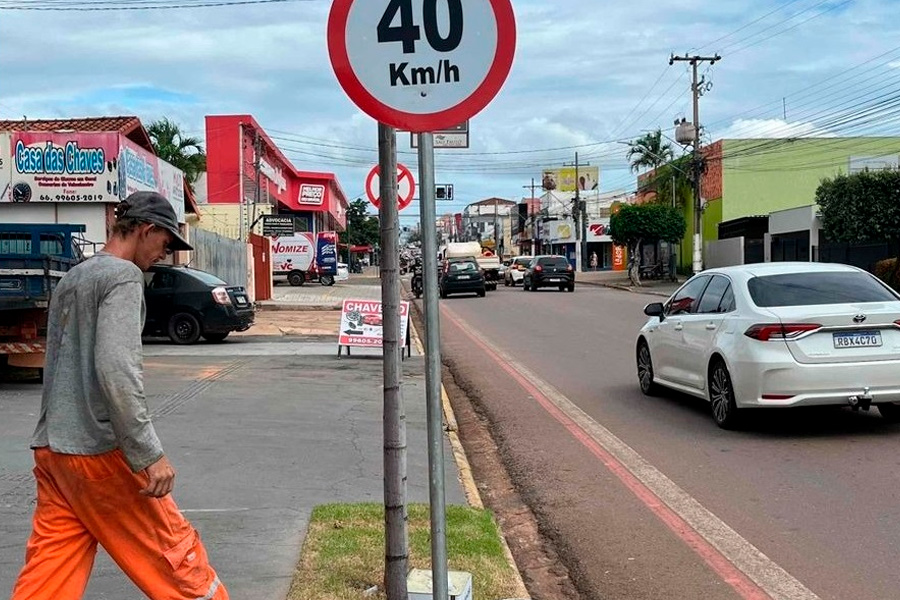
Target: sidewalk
[
  {"x": 619, "y": 280},
  {"x": 313, "y": 296},
  {"x": 261, "y": 430}
]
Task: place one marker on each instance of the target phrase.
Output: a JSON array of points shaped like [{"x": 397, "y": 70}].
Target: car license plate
[
  {"x": 858, "y": 339},
  {"x": 240, "y": 300},
  {"x": 555, "y": 280},
  {"x": 462, "y": 277}
]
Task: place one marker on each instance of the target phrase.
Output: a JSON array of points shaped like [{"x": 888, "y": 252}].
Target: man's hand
[{"x": 162, "y": 478}]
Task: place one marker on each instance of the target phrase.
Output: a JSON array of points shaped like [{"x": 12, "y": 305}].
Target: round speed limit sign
[{"x": 421, "y": 65}]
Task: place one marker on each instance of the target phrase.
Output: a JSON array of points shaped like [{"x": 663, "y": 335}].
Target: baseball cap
[{"x": 151, "y": 207}]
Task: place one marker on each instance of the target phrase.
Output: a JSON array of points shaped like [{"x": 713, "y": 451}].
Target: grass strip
[{"x": 343, "y": 553}]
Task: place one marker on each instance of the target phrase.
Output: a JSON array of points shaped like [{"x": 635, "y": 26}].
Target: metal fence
[
  {"x": 225, "y": 258},
  {"x": 862, "y": 255}
]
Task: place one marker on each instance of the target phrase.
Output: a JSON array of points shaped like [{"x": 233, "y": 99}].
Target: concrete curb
[
  {"x": 470, "y": 488},
  {"x": 268, "y": 305},
  {"x": 625, "y": 288}
]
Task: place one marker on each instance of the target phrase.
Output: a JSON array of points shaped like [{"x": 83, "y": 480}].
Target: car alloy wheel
[
  {"x": 721, "y": 397},
  {"x": 184, "y": 328},
  {"x": 645, "y": 370}
]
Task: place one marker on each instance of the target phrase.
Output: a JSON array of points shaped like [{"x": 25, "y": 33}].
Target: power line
[
  {"x": 101, "y": 5},
  {"x": 753, "y": 22},
  {"x": 783, "y": 31}
]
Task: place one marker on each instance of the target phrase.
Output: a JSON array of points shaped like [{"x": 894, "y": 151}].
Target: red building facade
[{"x": 243, "y": 162}]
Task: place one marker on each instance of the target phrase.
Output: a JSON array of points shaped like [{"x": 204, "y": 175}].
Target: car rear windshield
[
  {"x": 205, "y": 277},
  {"x": 811, "y": 289},
  {"x": 463, "y": 267},
  {"x": 554, "y": 261}
]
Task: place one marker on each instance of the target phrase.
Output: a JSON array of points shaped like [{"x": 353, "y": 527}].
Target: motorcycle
[{"x": 417, "y": 283}]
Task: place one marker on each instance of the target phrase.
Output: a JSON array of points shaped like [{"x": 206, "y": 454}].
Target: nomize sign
[
  {"x": 421, "y": 65},
  {"x": 311, "y": 194}
]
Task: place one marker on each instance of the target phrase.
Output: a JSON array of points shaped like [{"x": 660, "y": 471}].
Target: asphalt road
[{"x": 801, "y": 504}]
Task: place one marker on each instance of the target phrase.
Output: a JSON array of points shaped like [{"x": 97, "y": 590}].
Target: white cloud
[{"x": 771, "y": 128}]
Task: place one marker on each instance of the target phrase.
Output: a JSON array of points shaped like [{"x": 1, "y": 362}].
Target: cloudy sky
[{"x": 588, "y": 74}]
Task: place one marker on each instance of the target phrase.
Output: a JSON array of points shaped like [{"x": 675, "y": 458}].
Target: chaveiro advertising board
[{"x": 361, "y": 323}]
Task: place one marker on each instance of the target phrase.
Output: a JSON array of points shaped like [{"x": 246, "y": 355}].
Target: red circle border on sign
[
  {"x": 415, "y": 122},
  {"x": 404, "y": 172}
]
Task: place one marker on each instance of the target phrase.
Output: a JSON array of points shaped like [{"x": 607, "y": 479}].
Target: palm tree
[
  {"x": 649, "y": 151},
  {"x": 185, "y": 153}
]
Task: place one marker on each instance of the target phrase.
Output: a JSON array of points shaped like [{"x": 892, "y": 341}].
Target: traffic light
[{"x": 443, "y": 191}]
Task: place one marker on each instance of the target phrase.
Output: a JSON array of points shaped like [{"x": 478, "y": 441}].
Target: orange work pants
[{"x": 86, "y": 500}]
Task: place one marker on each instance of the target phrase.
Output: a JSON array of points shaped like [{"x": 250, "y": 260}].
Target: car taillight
[
  {"x": 777, "y": 331},
  {"x": 220, "y": 295},
  {"x": 538, "y": 268}
]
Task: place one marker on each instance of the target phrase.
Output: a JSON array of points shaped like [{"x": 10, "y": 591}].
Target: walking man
[{"x": 102, "y": 476}]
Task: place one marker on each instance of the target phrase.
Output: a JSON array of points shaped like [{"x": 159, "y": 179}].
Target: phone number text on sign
[
  {"x": 421, "y": 64},
  {"x": 72, "y": 198}
]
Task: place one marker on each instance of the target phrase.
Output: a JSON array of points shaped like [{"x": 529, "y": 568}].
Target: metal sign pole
[{"x": 428, "y": 217}]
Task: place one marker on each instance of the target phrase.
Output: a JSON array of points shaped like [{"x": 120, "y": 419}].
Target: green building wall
[{"x": 762, "y": 176}]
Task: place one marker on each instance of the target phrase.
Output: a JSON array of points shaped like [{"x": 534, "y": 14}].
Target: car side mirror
[{"x": 655, "y": 309}]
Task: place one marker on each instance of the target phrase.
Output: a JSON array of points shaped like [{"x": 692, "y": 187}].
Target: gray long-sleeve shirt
[{"x": 93, "y": 399}]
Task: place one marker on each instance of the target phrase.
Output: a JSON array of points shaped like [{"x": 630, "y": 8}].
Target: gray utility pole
[
  {"x": 532, "y": 218},
  {"x": 257, "y": 197},
  {"x": 497, "y": 242},
  {"x": 427, "y": 214},
  {"x": 579, "y": 212},
  {"x": 241, "y": 182},
  {"x": 697, "y": 89},
  {"x": 396, "y": 550}
]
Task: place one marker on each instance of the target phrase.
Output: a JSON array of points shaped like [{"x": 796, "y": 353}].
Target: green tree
[
  {"x": 362, "y": 228},
  {"x": 183, "y": 152},
  {"x": 633, "y": 224},
  {"x": 864, "y": 207},
  {"x": 674, "y": 173},
  {"x": 650, "y": 151}
]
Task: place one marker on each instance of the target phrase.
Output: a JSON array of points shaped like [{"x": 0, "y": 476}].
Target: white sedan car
[{"x": 776, "y": 335}]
